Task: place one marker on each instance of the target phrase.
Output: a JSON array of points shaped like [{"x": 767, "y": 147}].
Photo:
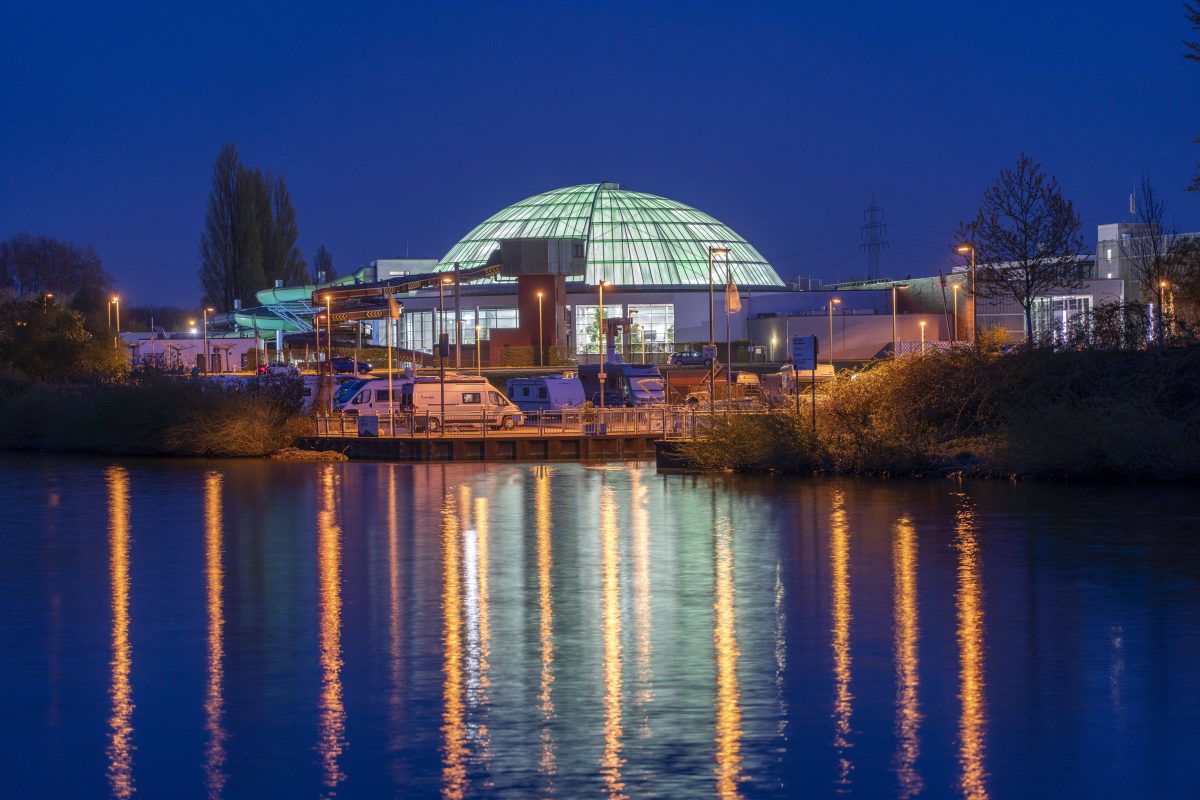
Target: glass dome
[{"x": 632, "y": 238}]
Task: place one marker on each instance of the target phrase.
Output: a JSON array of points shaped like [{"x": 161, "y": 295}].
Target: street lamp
[
  {"x": 895, "y": 286},
  {"x": 922, "y": 337},
  {"x": 442, "y": 352},
  {"x": 116, "y": 301},
  {"x": 541, "y": 341},
  {"x": 832, "y": 302},
  {"x": 954, "y": 289},
  {"x": 206, "y": 312},
  {"x": 603, "y": 344},
  {"x": 712, "y": 341},
  {"x": 192, "y": 326},
  {"x": 964, "y": 249},
  {"x": 46, "y": 298}
]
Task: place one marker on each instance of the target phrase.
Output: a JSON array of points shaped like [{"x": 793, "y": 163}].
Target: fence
[{"x": 670, "y": 422}]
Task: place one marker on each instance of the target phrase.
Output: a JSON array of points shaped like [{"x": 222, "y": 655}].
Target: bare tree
[
  {"x": 231, "y": 245},
  {"x": 34, "y": 265},
  {"x": 1026, "y": 239},
  {"x": 323, "y": 264},
  {"x": 1150, "y": 252}
]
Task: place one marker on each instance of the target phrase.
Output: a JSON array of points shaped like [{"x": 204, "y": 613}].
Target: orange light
[
  {"x": 210, "y": 310},
  {"x": 539, "y": 295},
  {"x": 115, "y": 299},
  {"x": 964, "y": 248},
  {"x": 836, "y": 300},
  {"x": 447, "y": 280}
]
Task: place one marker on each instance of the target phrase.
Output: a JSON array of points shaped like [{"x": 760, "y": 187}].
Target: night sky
[{"x": 399, "y": 127}]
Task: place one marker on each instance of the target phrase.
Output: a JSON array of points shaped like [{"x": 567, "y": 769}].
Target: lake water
[{"x": 177, "y": 629}]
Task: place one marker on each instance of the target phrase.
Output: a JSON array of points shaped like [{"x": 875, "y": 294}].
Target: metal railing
[{"x": 678, "y": 421}]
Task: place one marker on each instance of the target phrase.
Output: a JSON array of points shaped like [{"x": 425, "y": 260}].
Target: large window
[
  {"x": 417, "y": 327},
  {"x": 653, "y": 323},
  {"x": 1052, "y": 316}
]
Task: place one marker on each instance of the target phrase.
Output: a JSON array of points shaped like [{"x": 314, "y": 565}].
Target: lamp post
[
  {"x": 603, "y": 345},
  {"x": 954, "y": 290},
  {"x": 206, "y": 312},
  {"x": 922, "y": 337},
  {"x": 442, "y": 353},
  {"x": 832, "y": 302},
  {"x": 895, "y": 344},
  {"x": 541, "y": 341},
  {"x": 712, "y": 339},
  {"x": 116, "y": 301},
  {"x": 478, "y": 349},
  {"x": 964, "y": 249}
]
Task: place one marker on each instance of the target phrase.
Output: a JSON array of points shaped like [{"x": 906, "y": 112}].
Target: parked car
[
  {"x": 688, "y": 358},
  {"x": 348, "y": 364}
]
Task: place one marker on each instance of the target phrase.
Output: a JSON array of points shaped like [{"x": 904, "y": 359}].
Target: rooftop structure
[{"x": 630, "y": 238}]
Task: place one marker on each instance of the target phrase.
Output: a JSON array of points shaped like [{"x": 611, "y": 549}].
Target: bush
[{"x": 1035, "y": 412}]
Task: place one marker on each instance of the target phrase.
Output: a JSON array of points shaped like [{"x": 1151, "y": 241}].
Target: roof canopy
[{"x": 633, "y": 238}]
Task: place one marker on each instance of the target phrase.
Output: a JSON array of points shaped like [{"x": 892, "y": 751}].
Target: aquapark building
[
  {"x": 528, "y": 287},
  {"x": 652, "y": 253}
]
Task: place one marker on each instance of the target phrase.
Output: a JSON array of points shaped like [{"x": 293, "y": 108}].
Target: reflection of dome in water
[{"x": 633, "y": 239}]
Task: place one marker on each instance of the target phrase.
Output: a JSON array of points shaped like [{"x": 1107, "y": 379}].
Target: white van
[
  {"x": 469, "y": 399},
  {"x": 372, "y": 396}
]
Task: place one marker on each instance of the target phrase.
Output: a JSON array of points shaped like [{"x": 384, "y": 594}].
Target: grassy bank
[
  {"x": 1088, "y": 415},
  {"x": 164, "y": 417}
]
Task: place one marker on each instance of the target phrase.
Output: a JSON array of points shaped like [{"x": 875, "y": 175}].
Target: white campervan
[
  {"x": 469, "y": 400},
  {"x": 372, "y": 397}
]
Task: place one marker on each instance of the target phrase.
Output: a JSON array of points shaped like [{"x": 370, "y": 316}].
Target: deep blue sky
[{"x": 399, "y": 127}]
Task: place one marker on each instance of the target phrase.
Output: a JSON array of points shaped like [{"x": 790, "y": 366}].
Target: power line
[{"x": 874, "y": 238}]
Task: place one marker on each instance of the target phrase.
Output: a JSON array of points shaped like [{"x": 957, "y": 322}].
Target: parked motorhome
[
  {"x": 546, "y": 393},
  {"x": 369, "y": 396},
  {"x": 626, "y": 384},
  {"x": 468, "y": 400}
]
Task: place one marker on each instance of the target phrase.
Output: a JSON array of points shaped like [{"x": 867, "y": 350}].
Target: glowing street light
[
  {"x": 603, "y": 377},
  {"x": 964, "y": 249},
  {"x": 832, "y": 302},
  {"x": 954, "y": 335},
  {"x": 541, "y": 341},
  {"x": 206, "y": 312},
  {"x": 895, "y": 286},
  {"x": 116, "y": 301},
  {"x": 922, "y": 337}
]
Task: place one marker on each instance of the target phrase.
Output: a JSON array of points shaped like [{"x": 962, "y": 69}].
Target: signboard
[{"x": 804, "y": 352}]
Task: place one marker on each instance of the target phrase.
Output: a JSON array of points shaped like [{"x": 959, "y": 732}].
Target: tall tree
[
  {"x": 1150, "y": 252},
  {"x": 323, "y": 263},
  {"x": 1192, "y": 53},
  {"x": 34, "y": 265},
  {"x": 231, "y": 244},
  {"x": 1026, "y": 239},
  {"x": 286, "y": 262}
]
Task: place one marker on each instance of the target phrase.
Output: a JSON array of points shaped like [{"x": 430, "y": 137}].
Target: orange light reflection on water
[
  {"x": 454, "y": 751},
  {"x": 839, "y": 557},
  {"x": 332, "y": 726},
  {"x": 907, "y": 638},
  {"x": 972, "y": 726},
  {"x": 612, "y": 761},
  {"x": 545, "y": 562},
  {"x": 640, "y": 517},
  {"x": 120, "y": 723},
  {"x": 214, "y": 696},
  {"x": 728, "y": 711}
]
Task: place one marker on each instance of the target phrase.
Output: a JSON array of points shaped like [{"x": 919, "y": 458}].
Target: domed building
[
  {"x": 630, "y": 238},
  {"x": 652, "y": 252}
]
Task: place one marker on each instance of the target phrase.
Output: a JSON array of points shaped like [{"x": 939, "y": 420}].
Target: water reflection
[
  {"x": 120, "y": 723},
  {"x": 329, "y": 555},
  {"x": 475, "y": 564},
  {"x": 545, "y": 563},
  {"x": 640, "y": 519},
  {"x": 839, "y": 558},
  {"x": 214, "y": 696},
  {"x": 395, "y": 642},
  {"x": 454, "y": 769},
  {"x": 972, "y": 726},
  {"x": 728, "y": 712},
  {"x": 908, "y": 676},
  {"x": 610, "y": 601}
]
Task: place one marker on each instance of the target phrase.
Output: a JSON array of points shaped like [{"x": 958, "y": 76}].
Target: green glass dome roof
[{"x": 632, "y": 238}]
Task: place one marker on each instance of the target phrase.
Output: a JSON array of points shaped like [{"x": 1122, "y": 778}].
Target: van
[
  {"x": 469, "y": 400},
  {"x": 369, "y": 396},
  {"x": 548, "y": 393}
]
